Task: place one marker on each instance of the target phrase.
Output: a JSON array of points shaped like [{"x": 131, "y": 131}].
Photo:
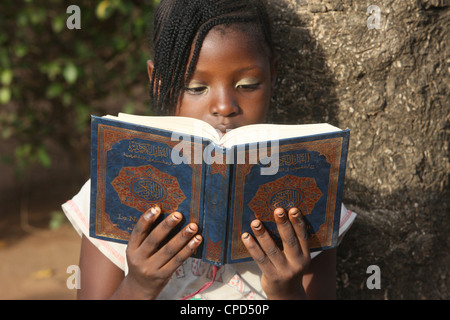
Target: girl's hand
[
  {"x": 151, "y": 267},
  {"x": 282, "y": 270}
]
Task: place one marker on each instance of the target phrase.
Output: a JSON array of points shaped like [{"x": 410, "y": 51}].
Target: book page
[
  {"x": 265, "y": 132},
  {"x": 243, "y": 135},
  {"x": 183, "y": 125}
]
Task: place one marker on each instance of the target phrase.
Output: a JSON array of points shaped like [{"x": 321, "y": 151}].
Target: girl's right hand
[{"x": 151, "y": 267}]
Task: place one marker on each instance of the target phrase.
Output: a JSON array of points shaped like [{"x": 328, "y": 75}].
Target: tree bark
[{"x": 383, "y": 72}]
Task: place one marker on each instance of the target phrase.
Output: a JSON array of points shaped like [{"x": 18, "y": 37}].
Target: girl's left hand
[{"x": 282, "y": 270}]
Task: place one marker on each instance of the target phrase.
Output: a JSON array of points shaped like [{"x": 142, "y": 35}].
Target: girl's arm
[
  {"x": 100, "y": 278},
  {"x": 319, "y": 280},
  {"x": 150, "y": 265}
]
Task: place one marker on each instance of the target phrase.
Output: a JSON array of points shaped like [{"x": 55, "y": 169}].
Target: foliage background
[
  {"x": 53, "y": 78},
  {"x": 391, "y": 87}
]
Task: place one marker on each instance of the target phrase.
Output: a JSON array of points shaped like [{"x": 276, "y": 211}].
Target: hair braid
[{"x": 180, "y": 26}]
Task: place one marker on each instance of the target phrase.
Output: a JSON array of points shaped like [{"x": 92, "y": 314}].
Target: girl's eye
[
  {"x": 196, "y": 90},
  {"x": 248, "y": 87}
]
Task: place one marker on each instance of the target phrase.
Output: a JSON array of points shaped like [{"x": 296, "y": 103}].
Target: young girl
[{"x": 213, "y": 60}]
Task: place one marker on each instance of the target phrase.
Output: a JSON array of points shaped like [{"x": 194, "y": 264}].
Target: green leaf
[
  {"x": 104, "y": 10},
  {"x": 23, "y": 151},
  {"x": 83, "y": 113},
  {"x": 58, "y": 24},
  {"x": 38, "y": 15},
  {"x": 20, "y": 50},
  {"x": 120, "y": 43},
  {"x": 54, "y": 90},
  {"x": 129, "y": 108},
  {"x": 57, "y": 220},
  {"x": 7, "y": 133},
  {"x": 5, "y": 95},
  {"x": 70, "y": 73},
  {"x": 52, "y": 69},
  {"x": 44, "y": 158},
  {"x": 22, "y": 19},
  {"x": 6, "y": 77}
]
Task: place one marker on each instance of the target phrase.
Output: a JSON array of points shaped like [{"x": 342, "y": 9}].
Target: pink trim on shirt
[
  {"x": 74, "y": 208},
  {"x": 345, "y": 218}
]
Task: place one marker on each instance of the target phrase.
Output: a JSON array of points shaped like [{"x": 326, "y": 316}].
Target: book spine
[
  {"x": 93, "y": 197},
  {"x": 216, "y": 208}
]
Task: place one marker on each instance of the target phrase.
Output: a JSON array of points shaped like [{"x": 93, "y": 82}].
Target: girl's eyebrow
[{"x": 198, "y": 72}]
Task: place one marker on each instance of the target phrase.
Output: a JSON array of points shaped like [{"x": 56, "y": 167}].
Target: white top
[{"x": 233, "y": 281}]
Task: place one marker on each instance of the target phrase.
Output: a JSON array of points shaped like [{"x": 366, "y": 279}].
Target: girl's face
[{"x": 232, "y": 83}]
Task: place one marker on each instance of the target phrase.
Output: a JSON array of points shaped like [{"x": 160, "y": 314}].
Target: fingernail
[
  {"x": 245, "y": 236},
  {"x": 295, "y": 213},
  {"x": 149, "y": 214},
  {"x": 155, "y": 210},
  {"x": 195, "y": 240},
  {"x": 177, "y": 216},
  {"x": 257, "y": 227},
  {"x": 190, "y": 228},
  {"x": 279, "y": 213}
]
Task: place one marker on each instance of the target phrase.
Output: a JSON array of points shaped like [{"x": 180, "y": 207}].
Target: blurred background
[{"x": 52, "y": 78}]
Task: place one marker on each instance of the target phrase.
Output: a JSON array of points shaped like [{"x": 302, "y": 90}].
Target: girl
[{"x": 213, "y": 60}]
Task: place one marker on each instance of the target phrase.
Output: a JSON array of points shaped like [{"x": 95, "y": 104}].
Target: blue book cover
[{"x": 221, "y": 188}]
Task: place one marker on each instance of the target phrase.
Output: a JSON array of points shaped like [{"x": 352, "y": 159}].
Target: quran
[{"x": 221, "y": 183}]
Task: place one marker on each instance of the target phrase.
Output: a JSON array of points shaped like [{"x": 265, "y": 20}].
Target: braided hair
[{"x": 181, "y": 26}]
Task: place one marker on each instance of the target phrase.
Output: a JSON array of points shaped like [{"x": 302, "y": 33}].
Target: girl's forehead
[
  {"x": 231, "y": 50},
  {"x": 234, "y": 38},
  {"x": 238, "y": 31}
]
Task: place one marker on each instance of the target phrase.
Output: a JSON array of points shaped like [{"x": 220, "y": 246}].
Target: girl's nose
[{"x": 224, "y": 104}]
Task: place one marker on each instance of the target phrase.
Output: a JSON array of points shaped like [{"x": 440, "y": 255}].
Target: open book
[{"x": 221, "y": 183}]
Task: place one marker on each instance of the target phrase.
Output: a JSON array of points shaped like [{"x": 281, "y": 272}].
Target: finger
[
  {"x": 268, "y": 245},
  {"x": 153, "y": 241},
  {"x": 257, "y": 254},
  {"x": 299, "y": 226},
  {"x": 291, "y": 244},
  {"x": 187, "y": 251},
  {"x": 174, "y": 246},
  {"x": 142, "y": 227}
]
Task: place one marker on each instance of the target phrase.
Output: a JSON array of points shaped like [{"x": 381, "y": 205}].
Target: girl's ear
[{"x": 150, "y": 67}]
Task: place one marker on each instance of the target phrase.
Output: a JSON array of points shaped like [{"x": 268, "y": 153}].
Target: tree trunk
[{"x": 380, "y": 68}]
